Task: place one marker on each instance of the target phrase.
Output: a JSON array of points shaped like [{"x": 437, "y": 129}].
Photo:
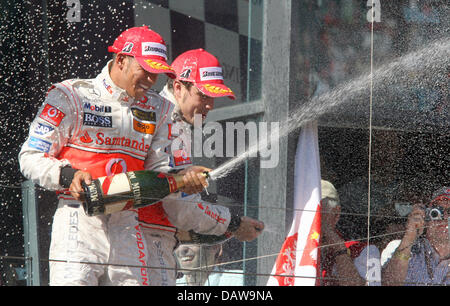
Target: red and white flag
[{"x": 298, "y": 258}]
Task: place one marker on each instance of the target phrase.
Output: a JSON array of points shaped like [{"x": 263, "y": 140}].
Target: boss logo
[{"x": 97, "y": 120}]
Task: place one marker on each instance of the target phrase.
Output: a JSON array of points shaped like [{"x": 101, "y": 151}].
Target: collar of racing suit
[{"x": 108, "y": 88}]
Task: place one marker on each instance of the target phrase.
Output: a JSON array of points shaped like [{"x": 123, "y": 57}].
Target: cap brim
[
  {"x": 440, "y": 197},
  {"x": 113, "y": 49},
  {"x": 215, "y": 90},
  {"x": 156, "y": 66}
]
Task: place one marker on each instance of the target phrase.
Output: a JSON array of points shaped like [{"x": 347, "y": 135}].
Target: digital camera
[{"x": 434, "y": 213}]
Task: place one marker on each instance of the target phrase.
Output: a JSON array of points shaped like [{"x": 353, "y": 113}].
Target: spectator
[
  {"x": 198, "y": 265},
  {"x": 423, "y": 255},
  {"x": 390, "y": 221},
  {"x": 390, "y": 237},
  {"x": 344, "y": 263}
]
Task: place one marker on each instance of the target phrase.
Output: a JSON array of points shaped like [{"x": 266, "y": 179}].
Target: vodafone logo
[
  {"x": 143, "y": 103},
  {"x": 52, "y": 112},
  {"x": 52, "y": 115}
]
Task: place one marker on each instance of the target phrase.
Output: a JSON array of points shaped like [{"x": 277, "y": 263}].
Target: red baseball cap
[
  {"x": 204, "y": 70},
  {"x": 147, "y": 47},
  {"x": 440, "y": 194}
]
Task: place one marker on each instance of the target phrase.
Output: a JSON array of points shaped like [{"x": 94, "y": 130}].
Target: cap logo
[
  {"x": 211, "y": 73},
  {"x": 128, "y": 47},
  {"x": 186, "y": 73},
  {"x": 152, "y": 48},
  {"x": 157, "y": 66},
  {"x": 217, "y": 90}
]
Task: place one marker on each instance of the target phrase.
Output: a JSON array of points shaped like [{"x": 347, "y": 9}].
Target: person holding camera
[{"x": 423, "y": 255}]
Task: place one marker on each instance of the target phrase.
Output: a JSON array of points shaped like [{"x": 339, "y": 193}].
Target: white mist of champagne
[{"x": 414, "y": 68}]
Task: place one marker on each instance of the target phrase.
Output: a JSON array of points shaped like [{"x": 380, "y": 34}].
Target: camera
[{"x": 434, "y": 213}]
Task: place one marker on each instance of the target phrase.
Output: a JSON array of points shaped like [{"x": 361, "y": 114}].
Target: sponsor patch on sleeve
[
  {"x": 180, "y": 157},
  {"x": 43, "y": 129},
  {"x": 39, "y": 144},
  {"x": 52, "y": 115}
]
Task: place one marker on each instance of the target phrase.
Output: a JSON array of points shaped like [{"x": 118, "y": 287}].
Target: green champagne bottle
[{"x": 129, "y": 190}]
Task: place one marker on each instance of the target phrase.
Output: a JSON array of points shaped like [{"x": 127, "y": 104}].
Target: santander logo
[
  {"x": 85, "y": 138},
  {"x": 101, "y": 139},
  {"x": 212, "y": 214}
]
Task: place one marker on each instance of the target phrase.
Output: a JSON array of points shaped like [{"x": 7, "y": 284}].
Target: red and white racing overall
[
  {"x": 177, "y": 211},
  {"x": 94, "y": 126}
]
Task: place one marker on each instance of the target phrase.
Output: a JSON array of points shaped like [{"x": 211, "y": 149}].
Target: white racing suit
[
  {"x": 94, "y": 126},
  {"x": 178, "y": 211}
]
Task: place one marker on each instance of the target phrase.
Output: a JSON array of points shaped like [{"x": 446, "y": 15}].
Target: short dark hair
[
  {"x": 186, "y": 84},
  {"x": 114, "y": 55}
]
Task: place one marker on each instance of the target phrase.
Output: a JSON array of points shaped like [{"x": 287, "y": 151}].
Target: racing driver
[{"x": 199, "y": 80}]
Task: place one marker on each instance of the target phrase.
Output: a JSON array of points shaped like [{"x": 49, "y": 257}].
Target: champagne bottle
[{"x": 129, "y": 190}]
